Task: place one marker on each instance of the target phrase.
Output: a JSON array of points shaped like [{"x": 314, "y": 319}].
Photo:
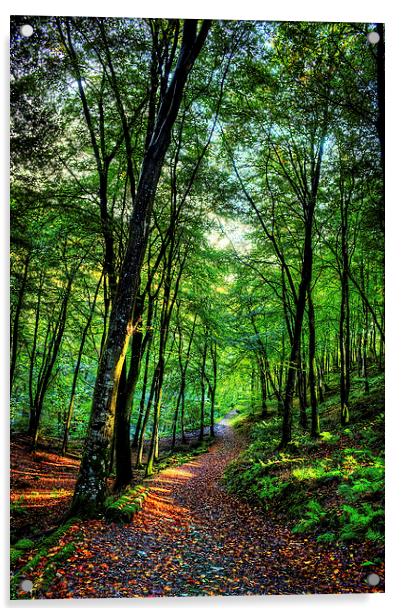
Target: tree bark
[
  {"x": 315, "y": 421},
  {"x": 91, "y": 486},
  {"x": 16, "y": 320},
  {"x": 76, "y": 371}
]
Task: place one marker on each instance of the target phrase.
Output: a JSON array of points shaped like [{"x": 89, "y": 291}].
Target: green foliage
[
  {"x": 315, "y": 517},
  {"x": 340, "y": 466},
  {"x": 364, "y": 482},
  {"x": 15, "y": 555},
  {"x": 24, "y": 544},
  {"x": 363, "y": 521},
  {"x": 328, "y": 437}
]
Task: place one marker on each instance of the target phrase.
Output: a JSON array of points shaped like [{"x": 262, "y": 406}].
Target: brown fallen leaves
[{"x": 192, "y": 538}]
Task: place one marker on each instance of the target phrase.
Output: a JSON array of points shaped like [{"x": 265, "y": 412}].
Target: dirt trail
[{"x": 193, "y": 538}]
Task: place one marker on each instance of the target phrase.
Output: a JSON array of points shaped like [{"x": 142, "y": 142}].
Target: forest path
[{"x": 193, "y": 538}]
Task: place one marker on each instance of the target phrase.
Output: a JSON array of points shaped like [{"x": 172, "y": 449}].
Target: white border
[{"x": 307, "y": 10}]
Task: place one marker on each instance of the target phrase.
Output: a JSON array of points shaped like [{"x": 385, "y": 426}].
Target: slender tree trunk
[
  {"x": 141, "y": 442},
  {"x": 301, "y": 386},
  {"x": 213, "y": 388},
  {"x": 263, "y": 389},
  {"x": 32, "y": 411},
  {"x": 306, "y": 275},
  {"x": 345, "y": 357},
  {"x": 157, "y": 405},
  {"x": 45, "y": 376},
  {"x": 77, "y": 369},
  {"x": 16, "y": 320},
  {"x": 203, "y": 389},
  {"x": 182, "y": 418},
  {"x": 315, "y": 421}
]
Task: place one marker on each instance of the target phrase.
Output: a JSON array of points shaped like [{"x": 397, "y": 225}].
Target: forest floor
[
  {"x": 192, "y": 537},
  {"x": 42, "y": 482}
]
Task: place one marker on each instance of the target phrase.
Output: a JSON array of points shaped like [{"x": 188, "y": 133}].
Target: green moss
[
  {"x": 126, "y": 506},
  {"x": 40, "y": 551},
  {"x": 15, "y": 555},
  {"x": 24, "y": 544}
]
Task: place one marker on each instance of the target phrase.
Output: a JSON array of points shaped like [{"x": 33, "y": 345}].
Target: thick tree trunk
[
  {"x": 124, "y": 405},
  {"x": 91, "y": 486}
]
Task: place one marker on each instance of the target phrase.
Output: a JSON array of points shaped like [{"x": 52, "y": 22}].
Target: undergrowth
[{"x": 333, "y": 486}]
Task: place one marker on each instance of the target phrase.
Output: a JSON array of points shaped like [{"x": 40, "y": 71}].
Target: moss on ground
[
  {"x": 49, "y": 549},
  {"x": 124, "y": 507}
]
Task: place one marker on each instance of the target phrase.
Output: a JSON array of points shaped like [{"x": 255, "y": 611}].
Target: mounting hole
[
  {"x": 373, "y": 579},
  {"x": 26, "y": 30},
  {"x": 373, "y": 38},
  {"x": 27, "y": 585}
]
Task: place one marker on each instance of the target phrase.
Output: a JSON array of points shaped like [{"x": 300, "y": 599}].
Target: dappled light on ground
[{"x": 192, "y": 538}]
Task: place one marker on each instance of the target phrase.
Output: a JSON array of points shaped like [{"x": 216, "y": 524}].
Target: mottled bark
[{"x": 124, "y": 404}]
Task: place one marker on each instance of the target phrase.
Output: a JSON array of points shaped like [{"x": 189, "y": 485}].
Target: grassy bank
[{"x": 332, "y": 487}]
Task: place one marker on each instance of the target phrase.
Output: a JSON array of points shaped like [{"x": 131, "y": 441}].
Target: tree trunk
[
  {"x": 48, "y": 365},
  {"x": 16, "y": 320},
  {"x": 76, "y": 371},
  {"x": 91, "y": 486},
  {"x": 306, "y": 277},
  {"x": 263, "y": 390},
  {"x": 315, "y": 421},
  {"x": 203, "y": 390},
  {"x": 124, "y": 405},
  {"x": 345, "y": 357}
]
